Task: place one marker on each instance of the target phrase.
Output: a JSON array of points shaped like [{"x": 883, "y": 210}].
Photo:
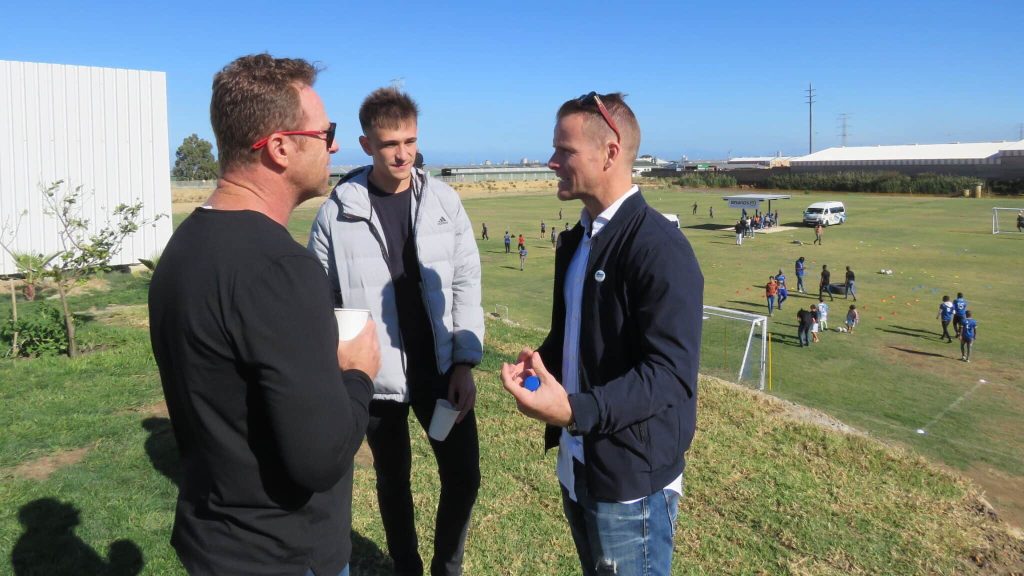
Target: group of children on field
[
  {"x": 964, "y": 325},
  {"x": 810, "y": 322}
]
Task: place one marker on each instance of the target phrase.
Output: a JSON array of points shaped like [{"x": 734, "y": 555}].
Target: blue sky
[{"x": 706, "y": 79}]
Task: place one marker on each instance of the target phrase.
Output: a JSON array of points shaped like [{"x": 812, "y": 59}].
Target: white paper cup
[
  {"x": 443, "y": 420},
  {"x": 350, "y": 322}
]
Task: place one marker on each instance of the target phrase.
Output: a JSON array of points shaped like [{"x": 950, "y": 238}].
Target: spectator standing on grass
[
  {"x": 559, "y": 213},
  {"x": 483, "y": 232},
  {"x": 508, "y": 242},
  {"x": 959, "y": 312},
  {"x": 522, "y": 242},
  {"x": 968, "y": 333},
  {"x": 695, "y": 210},
  {"x": 398, "y": 242},
  {"x": 739, "y": 232},
  {"x": 825, "y": 283},
  {"x": 800, "y": 271},
  {"x": 780, "y": 279},
  {"x": 620, "y": 399},
  {"x": 822, "y": 314},
  {"x": 711, "y": 212},
  {"x": 543, "y": 228},
  {"x": 852, "y": 318},
  {"x": 818, "y": 230},
  {"x": 554, "y": 236},
  {"x": 522, "y": 259},
  {"x": 850, "y": 291},
  {"x": 770, "y": 290},
  {"x": 268, "y": 407},
  {"x": 945, "y": 314},
  {"x": 803, "y": 326}
]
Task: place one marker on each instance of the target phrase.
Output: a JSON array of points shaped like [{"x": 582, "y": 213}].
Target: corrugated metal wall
[{"x": 102, "y": 128}]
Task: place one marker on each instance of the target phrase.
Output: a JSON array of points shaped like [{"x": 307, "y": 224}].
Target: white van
[{"x": 827, "y": 213}]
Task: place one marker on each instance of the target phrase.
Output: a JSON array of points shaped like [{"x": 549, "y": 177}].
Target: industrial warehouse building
[
  {"x": 103, "y": 129},
  {"x": 987, "y": 160}
]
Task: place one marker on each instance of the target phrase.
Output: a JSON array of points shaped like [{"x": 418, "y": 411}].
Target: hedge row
[
  {"x": 706, "y": 180},
  {"x": 892, "y": 182}
]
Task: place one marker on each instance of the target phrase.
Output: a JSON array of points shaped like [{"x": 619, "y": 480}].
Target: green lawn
[{"x": 764, "y": 494}]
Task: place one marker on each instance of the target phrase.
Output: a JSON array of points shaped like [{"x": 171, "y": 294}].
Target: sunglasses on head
[
  {"x": 329, "y": 133},
  {"x": 604, "y": 112}
]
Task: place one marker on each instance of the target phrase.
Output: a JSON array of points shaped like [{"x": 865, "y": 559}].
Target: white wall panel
[{"x": 104, "y": 129}]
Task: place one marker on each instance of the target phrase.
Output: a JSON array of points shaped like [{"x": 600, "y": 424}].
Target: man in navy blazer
[{"x": 618, "y": 369}]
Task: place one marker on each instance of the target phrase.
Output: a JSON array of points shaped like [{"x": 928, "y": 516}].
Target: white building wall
[{"x": 102, "y": 128}]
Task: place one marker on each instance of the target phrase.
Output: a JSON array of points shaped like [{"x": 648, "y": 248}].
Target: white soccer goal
[
  {"x": 1005, "y": 220},
  {"x": 734, "y": 345}
]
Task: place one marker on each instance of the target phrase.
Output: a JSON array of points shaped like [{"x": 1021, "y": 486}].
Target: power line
[{"x": 810, "y": 118}]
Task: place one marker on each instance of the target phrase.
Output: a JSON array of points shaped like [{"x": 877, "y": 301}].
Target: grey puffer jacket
[{"x": 348, "y": 240}]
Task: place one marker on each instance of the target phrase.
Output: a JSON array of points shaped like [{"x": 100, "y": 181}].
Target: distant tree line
[{"x": 887, "y": 182}]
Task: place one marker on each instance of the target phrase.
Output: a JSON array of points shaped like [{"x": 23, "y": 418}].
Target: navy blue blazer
[{"x": 639, "y": 351}]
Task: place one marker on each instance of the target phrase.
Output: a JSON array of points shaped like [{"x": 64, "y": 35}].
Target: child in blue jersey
[
  {"x": 780, "y": 279},
  {"x": 968, "y": 333},
  {"x": 946, "y": 315},
  {"x": 959, "y": 311},
  {"x": 822, "y": 314}
]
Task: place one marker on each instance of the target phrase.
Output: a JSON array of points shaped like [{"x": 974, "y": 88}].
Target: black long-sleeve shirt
[{"x": 267, "y": 425}]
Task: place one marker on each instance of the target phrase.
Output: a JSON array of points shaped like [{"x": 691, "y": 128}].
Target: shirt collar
[{"x": 604, "y": 217}]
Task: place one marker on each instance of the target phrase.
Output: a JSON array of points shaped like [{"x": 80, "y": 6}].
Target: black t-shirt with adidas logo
[{"x": 395, "y": 214}]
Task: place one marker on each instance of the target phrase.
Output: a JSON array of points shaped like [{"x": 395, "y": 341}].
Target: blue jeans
[
  {"x": 344, "y": 571},
  {"x": 850, "y": 290},
  {"x": 622, "y": 539},
  {"x": 771, "y": 304}
]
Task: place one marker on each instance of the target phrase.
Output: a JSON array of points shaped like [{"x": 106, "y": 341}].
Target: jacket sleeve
[
  {"x": 467, "y": 313},
  {"x": 320, "y": 241},
  {"x": 665, "y": 305}
]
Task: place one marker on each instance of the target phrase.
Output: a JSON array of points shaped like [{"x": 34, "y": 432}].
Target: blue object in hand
[{"x": 531, "y": 383}]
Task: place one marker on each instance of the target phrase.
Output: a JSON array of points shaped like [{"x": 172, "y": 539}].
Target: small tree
[
  {"x": 194, "y": 160},
  {"x": 81, "y": 254}
]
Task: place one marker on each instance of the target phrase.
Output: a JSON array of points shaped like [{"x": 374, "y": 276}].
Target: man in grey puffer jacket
[{"x": 399, "y": 243}]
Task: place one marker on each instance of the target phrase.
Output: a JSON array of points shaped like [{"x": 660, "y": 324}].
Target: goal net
[
  {"x": 1007, "y": 220},
  {"x": 734, "y": 346}
]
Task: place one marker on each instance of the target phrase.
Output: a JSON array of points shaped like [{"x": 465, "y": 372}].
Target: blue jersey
[
  {"x": 781, "y": 279},
  {"x": 960, "y": 305},
  {"x": 946, "y": 311},
  {"x": 799, "y": 268},
  {"x": 970, "y": 327}
]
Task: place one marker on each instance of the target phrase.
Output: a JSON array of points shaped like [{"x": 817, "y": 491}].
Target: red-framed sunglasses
[
  {"x": 329, "y": 133},
  {"x": 604, "y": 112}
]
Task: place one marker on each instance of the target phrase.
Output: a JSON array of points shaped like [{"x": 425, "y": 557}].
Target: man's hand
[
  {"x": 549, "y": 403},
  {"x": 462, "y": 390},
  {"x": 361, "y": 352}
]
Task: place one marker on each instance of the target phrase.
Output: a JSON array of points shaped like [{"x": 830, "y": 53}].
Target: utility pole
[
  {"x": 810, "y": 118},
  {"x": 842, "y": 121}
]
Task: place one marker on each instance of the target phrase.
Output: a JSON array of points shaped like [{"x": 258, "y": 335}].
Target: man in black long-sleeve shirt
[{"x": 244, "y": 335}]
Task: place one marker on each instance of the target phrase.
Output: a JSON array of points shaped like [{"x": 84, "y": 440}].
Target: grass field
[
  {"x": 893, "y": 376},
  {"x": 87, "y": 461}
]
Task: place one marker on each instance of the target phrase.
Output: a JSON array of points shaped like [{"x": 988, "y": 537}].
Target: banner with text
[{"x": 748, "y": 203}]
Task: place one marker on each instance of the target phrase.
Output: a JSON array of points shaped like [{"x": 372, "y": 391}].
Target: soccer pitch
[{"x": 890, "y": 378}]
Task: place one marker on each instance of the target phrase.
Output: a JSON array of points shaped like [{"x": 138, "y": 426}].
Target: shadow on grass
[
  {"x": 50, "y": 545},
  {"x": 754, "y": 308},
  {"x": 367, "y": 558},
  {"x": 915, "y": 334},
  {"x": 162, "y": 449},
  {"x": 708, "y": 226},
  {"x": 918, "y": 352}
]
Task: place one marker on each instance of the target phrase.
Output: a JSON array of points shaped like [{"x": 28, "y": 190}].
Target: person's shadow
[
  {"x": 162, "y": 449},
  {"x": 50, "y": 546}
]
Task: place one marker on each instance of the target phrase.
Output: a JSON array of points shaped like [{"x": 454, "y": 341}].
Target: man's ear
[
  {"x": 278, "y": 151},
  {"x": 364, "y": 143},
  {"x": 614, "y": 153}
]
